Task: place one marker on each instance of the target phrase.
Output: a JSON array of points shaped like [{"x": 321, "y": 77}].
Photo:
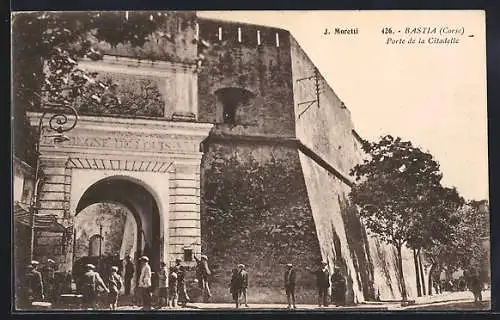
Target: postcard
[{"x": 250, "y": 160}]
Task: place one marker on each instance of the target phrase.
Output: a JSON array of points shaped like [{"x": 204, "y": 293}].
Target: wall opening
[
  {"x": 229, "y": 101},
  {"x": 188, "y": 254},
  {"x": 126, "y": 215}
]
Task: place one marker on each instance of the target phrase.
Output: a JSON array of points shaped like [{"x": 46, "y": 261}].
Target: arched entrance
[{"x": 116, "y": 217}]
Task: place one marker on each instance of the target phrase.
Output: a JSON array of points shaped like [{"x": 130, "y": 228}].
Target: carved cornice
[
  {"x": 130, "y": 136},
  {"x": 133, "y": 125},
  {"x": 120, "y": 164}
]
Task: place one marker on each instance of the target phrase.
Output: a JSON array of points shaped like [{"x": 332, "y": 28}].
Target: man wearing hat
[
  {"x": 129, "y": 274},
  {"x": 49, "y": 279},
  {"x": 243, "y": 275},
  {"x": 202, "y": 274},
  {"x": 323, "y": 283},
  {"x": 338, "y": 287},
  {"x": 145, "y": 283},
  {"x": 290, "y": 285},
  {"x": 91, "y": 280},
  {"x": 34, "y": 283}
]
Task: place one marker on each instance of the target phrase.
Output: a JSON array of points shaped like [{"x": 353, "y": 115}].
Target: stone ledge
[
  {"x": 56, "y": 179},
  {"x": 52, "y": 196},
  {"x": 54, "y": 187}
]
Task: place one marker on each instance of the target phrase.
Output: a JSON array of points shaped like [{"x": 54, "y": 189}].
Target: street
[{"x": 462, "y": 300}]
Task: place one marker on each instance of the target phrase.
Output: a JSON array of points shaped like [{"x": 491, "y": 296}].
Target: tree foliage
[
  {"x": 394, "y": 189},
  {"x": 46, "y": 47},
  {"x": 467, "y": 248},
  {"x": 60, "y": 39},
  {"x": 400, "y": 196}
]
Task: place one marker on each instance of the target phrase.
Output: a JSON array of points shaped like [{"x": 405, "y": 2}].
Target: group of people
[
  {"x": 39, "y": 285},
  {"x": 172, "y": 290},
  {"x": 324, "y": 282},
  {"x": 471, "y": 280},
  {"x": 91, "y": 282},
  {"x": 239, "y": 285}
]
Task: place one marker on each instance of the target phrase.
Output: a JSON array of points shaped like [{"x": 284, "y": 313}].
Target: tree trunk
[
  {"x": 419, "y": 257},
  {"x": 431, "y": 270},
  {"x": 417, "y": 273},
  {"x": 401, "y": 274}
]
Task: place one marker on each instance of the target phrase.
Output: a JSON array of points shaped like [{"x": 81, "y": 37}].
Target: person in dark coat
[
  {"x": 243, "y": 274},
  {"x": 128, "y": 274},
  {"x": 475, "y": 285},
  {"x": 323, "y": 283},
  {"x": 183, "y": 297},
  {"x": 34, "y": 283},
  {"x": 235, "y": 286},
  {"x": 49, "y": 279},
  {"x": 202, "y": 274},
  {"x": 90, "y": 282},
  {"x": 290, "y": 285},
  {"x": 338, "y": 287}
]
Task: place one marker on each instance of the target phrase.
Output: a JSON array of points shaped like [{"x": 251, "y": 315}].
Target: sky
[{"x": 431, "y": 94}]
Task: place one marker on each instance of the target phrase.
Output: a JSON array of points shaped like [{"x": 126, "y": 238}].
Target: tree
[
  {"x": 466, "y": 248},
  {"x": 46, "y": 47},
  {"x": 396, "y": 194}
]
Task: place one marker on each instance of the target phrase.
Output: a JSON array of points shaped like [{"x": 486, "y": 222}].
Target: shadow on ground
[{"x": 464, "y": 305}]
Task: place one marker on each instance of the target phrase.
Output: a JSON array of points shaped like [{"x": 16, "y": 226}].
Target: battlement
[{"x": 231, "y": 33}]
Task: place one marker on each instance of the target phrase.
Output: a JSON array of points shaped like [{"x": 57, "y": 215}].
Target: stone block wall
[
  {"x": 255, "y": 211},
  {"x": 262, "y": 69}
]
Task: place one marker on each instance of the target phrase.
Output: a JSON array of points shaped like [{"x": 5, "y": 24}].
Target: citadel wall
[{"x": 326, "y": 132}]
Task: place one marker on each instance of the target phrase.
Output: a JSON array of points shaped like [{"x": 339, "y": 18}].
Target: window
[
  {"x": 228, "y": 102},
  {"x": 188, "y": 254}
]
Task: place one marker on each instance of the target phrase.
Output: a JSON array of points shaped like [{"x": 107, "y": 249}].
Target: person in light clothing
[
  {"x": 145, "y": 283},
  {"x": 115, "y": 283}
]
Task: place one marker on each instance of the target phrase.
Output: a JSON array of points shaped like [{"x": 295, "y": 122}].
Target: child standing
[
  {"x": 172, "y": 285},
  {"x": 162, "y": 285},
  {"x": 115, "y": 283}
]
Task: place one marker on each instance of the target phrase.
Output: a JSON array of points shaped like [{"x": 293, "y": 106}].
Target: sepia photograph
[{"x": 173, "y": 161}]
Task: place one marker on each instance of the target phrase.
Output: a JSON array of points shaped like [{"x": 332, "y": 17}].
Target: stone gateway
[{"x": 230, "y": 169}]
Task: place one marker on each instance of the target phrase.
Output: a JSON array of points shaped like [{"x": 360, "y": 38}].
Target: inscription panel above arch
[{"x": 127, "y": 136}]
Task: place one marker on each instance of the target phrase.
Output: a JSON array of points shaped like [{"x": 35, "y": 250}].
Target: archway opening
[{"x": 116, "y": 218}]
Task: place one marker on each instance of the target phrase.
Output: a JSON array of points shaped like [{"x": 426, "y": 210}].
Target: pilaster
[{"x": 184, "y": 231}]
